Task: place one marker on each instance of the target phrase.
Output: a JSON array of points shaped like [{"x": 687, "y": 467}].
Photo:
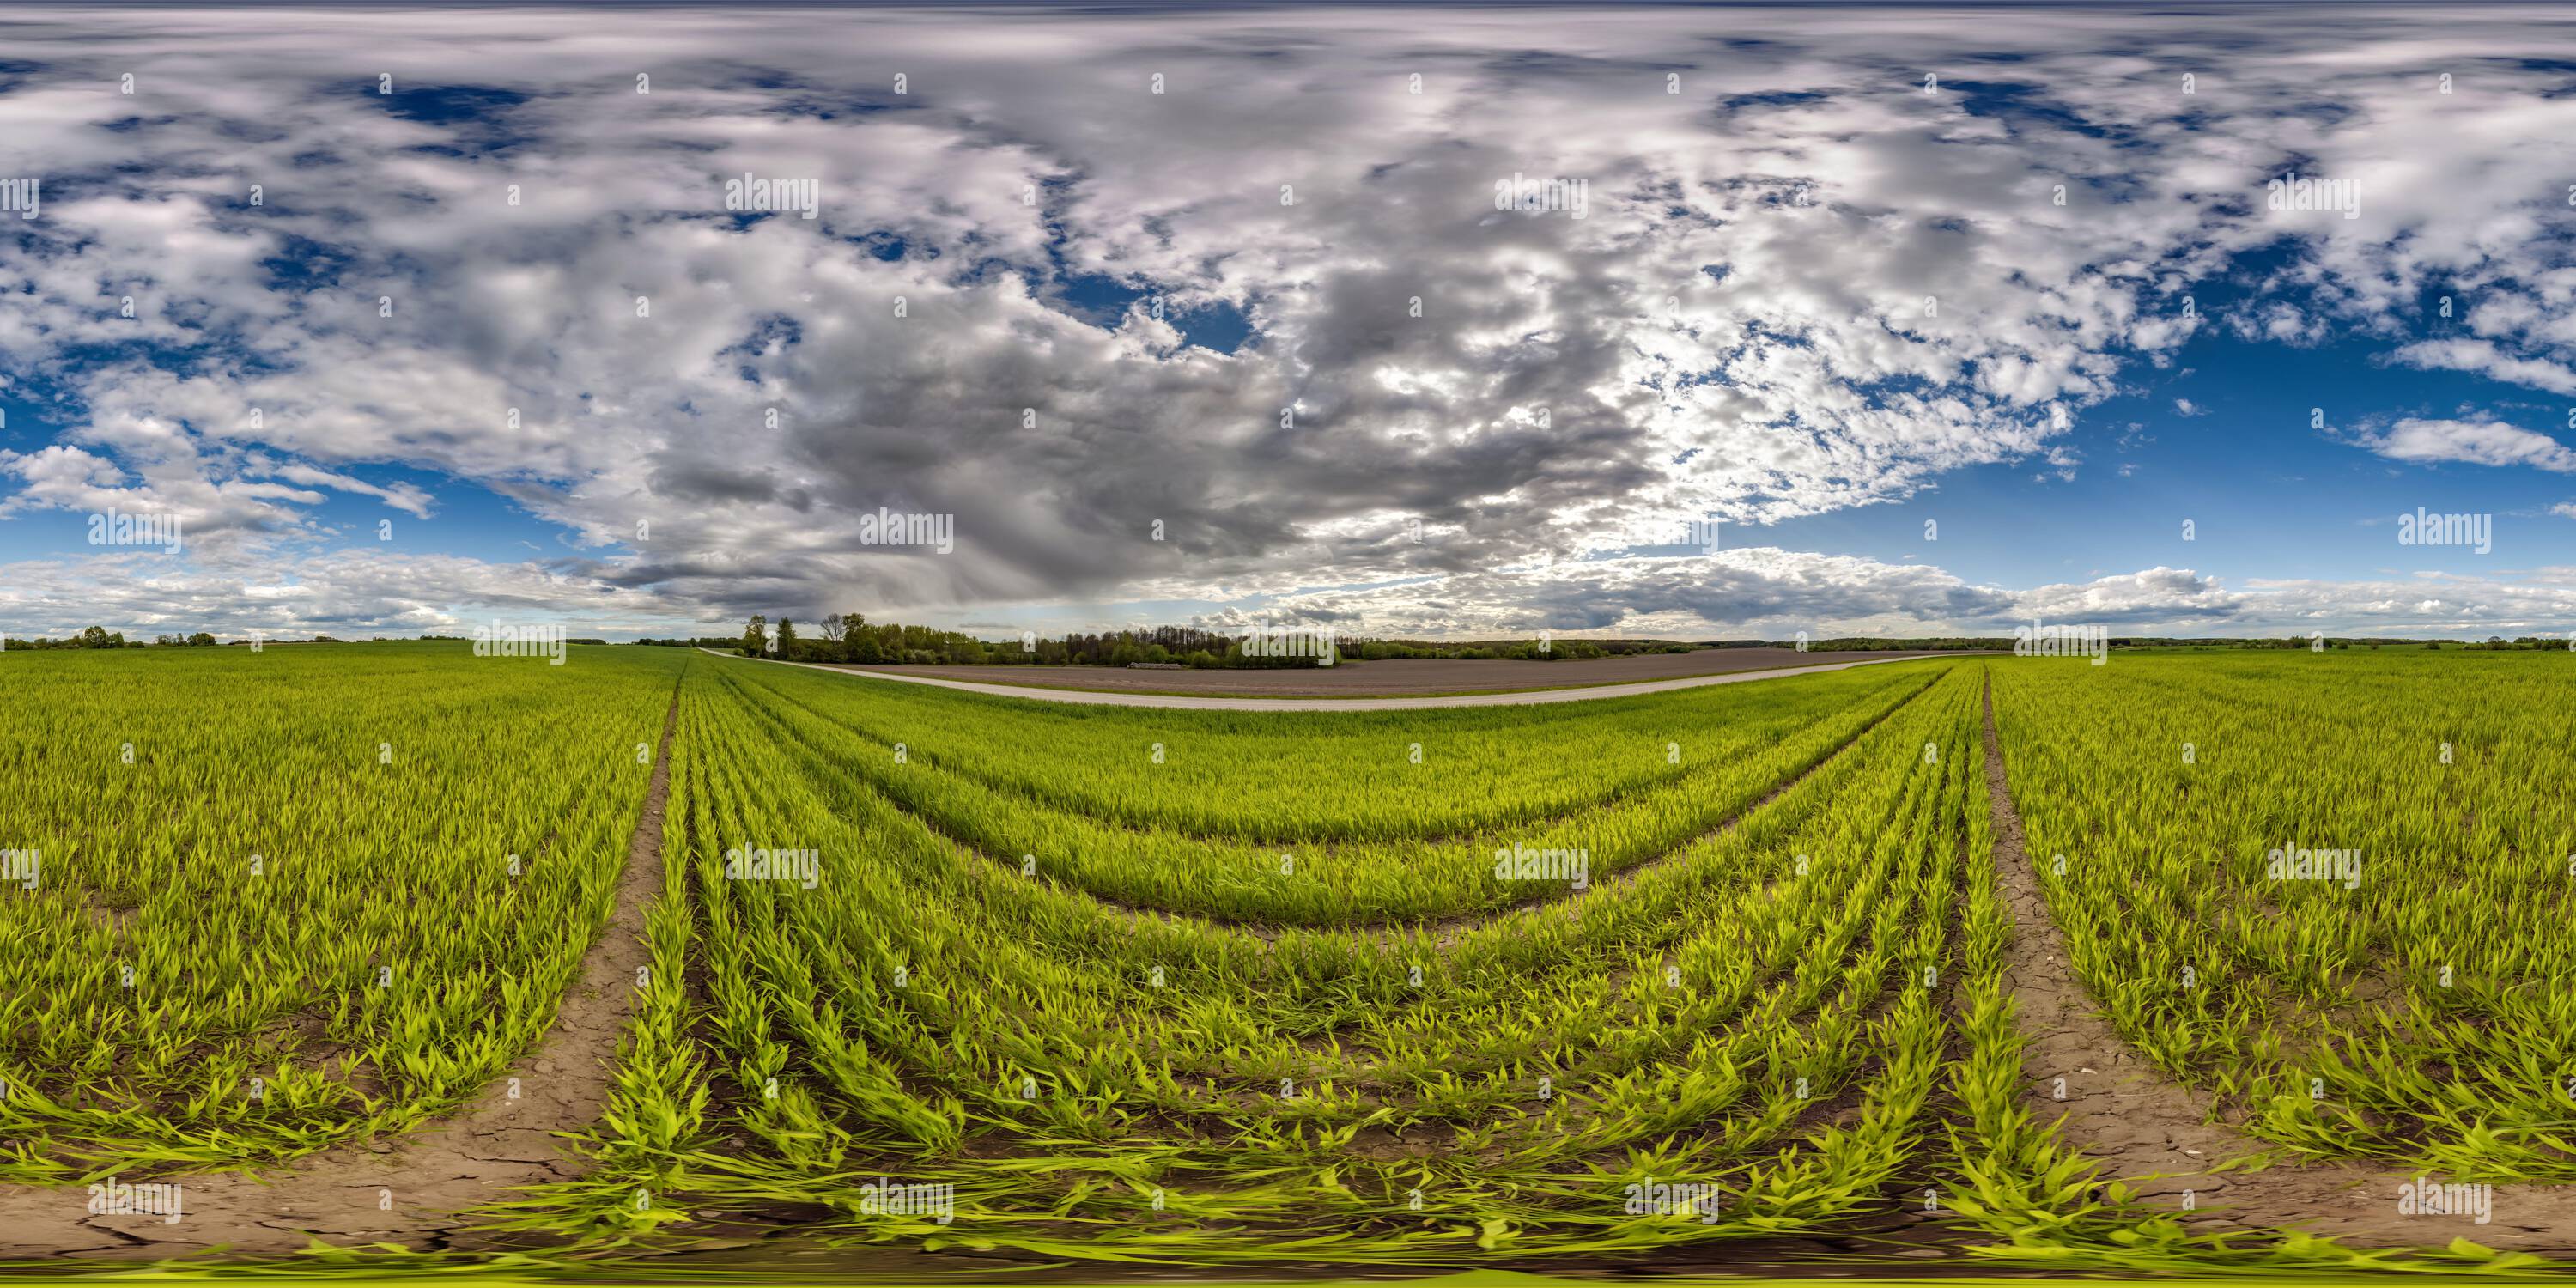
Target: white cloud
[
  {"x": 1795, "y": 291},
  {"x": 401, "y": 496},
  {"x": 2484, "y": 358},
  {"x": 2478, "y": 442}
]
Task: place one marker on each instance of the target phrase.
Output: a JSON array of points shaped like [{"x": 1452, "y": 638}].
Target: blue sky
[
  {"x": 1260, "y": 347},
  {"x": 2268, "y": 497}
]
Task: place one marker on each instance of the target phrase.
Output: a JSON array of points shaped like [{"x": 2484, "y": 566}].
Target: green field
[{"x": 932, "y": 970}]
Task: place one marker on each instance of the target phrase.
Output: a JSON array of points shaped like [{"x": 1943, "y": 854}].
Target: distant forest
[{"x": 850, "y": 637}]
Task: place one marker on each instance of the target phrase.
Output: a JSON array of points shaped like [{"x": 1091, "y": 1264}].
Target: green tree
[
  {"x": 755, "y": 636},
  {"x": 786, "y": 638}
]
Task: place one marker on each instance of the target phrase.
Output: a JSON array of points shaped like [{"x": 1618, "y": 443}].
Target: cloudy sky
[{"x": 1886, "y": 320}]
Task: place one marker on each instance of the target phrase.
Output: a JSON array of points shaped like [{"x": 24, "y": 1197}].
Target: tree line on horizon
[
  {"x": 851, "y": 638},
  {"x": 101, "y": 637}
]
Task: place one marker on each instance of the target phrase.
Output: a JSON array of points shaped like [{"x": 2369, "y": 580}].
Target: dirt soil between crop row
[
  {"x": 405, "y": 1192},
  {"x": 2156, "y": 1134}
]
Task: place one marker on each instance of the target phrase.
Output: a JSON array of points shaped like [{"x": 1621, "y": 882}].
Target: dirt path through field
[
  {"x": 402, "y": 1191},
  {"x": 2126, "y": 1115}
]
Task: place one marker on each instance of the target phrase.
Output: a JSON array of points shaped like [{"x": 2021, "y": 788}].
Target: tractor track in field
[
  {"x": 412, "y": 1189},
  {"x": 2157, "y": 1135}
]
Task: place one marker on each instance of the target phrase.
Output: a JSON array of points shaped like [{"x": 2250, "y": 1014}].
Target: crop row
[
  {"x": 1304, "y": 777},
  {"x": 1760, "y": 1011},
  {"x": 275, "y": 900},
  {"x": 1356, "y": 882},
  {"x": 2334, "y": 890}
]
